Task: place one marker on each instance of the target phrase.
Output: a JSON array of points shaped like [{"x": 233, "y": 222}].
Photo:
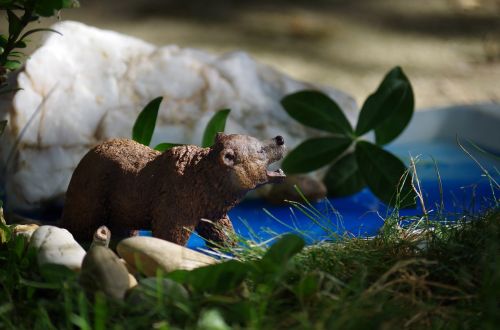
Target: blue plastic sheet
[{"x": 465, "y": 190}]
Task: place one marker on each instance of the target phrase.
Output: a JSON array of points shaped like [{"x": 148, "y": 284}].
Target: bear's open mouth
[{"x": 276, "y": 176}]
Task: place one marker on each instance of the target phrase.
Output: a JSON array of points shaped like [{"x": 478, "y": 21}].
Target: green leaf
[
  {"x": 3, "y": 40},
  {"x": 314, "y": 153},
  {"x": 344, "y": 178},
  {"x": 70, "y": 4},
  {"x": 307, "y": 286},
  {"x": 40, "y": 285},
  {"x": 281, "y": 252},
  {"x": 56, "y": 273},
  {"x": 14, "y": 55},
  {"x": 15, "y": 25},
  {"x": 390, "y": 107},
  {"x": 8, "y": 4},
  {"x": 144, "y": 126},
  {"x": 47, "y": 8},
  {"x": 215, "y": 279},
  {"x": 3, "y": 124},
  {"x": 5, "y": 90},
  {"x": 317, "y": 110},
  {"x": 165, "y": 146},
  {"x": 153, "y": 286},
  {"x": 12, "y": 65},
  {"x": 385, "y": 175},
  {"x": 215, "y": 125},
  {"x": 5, "y": 232},
  {"x": 20, "y": 44},
  {"x": 395, "y": 124}
]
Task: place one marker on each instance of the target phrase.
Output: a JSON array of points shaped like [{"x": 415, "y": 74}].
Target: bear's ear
[
  {"x": 219, "y": 136},
  {"x": 228, "y": 157}
]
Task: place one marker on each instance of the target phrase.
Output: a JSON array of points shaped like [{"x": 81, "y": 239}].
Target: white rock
[
  {"x": 57, "y": 246},
  {"x": 89, "y": 85},
  {"x": 102, "y": 270},
  {"x": 147, "y": 254}
]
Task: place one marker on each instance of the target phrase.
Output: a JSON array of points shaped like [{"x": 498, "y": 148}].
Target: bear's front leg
[
  {"x": 168, "y": 229},
  {"x": 219, "y": 231}
]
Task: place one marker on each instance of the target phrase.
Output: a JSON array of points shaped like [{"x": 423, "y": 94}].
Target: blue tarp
[{"x": 465, "y": 190}]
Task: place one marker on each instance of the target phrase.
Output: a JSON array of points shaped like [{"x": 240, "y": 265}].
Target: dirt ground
[{"x": 450, "y": 49}]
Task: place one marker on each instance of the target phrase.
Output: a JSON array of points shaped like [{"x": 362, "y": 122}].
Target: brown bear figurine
[{"x": 127, "y": 186}]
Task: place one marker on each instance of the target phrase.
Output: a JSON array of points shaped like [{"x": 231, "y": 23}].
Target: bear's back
[{"x": 128, "y": 155}]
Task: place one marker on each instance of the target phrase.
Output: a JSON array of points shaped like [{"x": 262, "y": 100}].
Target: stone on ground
[
  {"x": 102, "y": 270},
  {"x": 58, "y": 247},
  {"x": 149, "y": 254}
]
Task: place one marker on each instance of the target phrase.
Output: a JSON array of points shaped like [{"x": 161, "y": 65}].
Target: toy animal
[{"x": 128, "y": 186}]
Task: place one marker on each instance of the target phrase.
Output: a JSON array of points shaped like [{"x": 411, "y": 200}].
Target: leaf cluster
[
  {"x": 356, "y": 163},
  {"x": 145, "y": 123},
  {"x": 20, "y": 13}
]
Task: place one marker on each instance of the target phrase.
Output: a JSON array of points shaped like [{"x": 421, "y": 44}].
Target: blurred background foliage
[{"x": 450, "y": 48}]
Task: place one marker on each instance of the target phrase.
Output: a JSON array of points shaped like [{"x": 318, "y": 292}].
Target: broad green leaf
[
  {"x": 215, "y": 279},
  {"x": 15, "y": 25},
  {"x": 314, "y": 153},
  {"x": 280, "y": 253},
  {"x": 394, "y": 95},
  {"x": 215, "y": 125},
  {"x": 165, "y": 146},
  {"x": 317, "y": 110},
  {"x": 344, "y": 178},
  {"x": 144, "y": 126},
  {"x": 395, "y": 124},
  {"x": 3, "y": 124},
  {"x": 384, "y": 174}
]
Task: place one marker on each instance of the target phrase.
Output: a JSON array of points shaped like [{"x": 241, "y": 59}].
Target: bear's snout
[
  {"x": 275, "y": 149},
  {"x": 279, "y": 140}
]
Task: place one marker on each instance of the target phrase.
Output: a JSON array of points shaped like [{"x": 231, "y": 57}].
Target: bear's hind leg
[{"x": 83, "y": 216}]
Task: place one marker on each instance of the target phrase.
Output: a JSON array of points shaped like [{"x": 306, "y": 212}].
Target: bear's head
[{"x": 246, "y": 159}]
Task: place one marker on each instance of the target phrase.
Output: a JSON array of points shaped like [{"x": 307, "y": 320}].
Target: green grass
[{"x": 448, "y": 277}]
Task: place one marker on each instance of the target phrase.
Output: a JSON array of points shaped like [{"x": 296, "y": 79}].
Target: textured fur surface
[{"x": 126, "y": 186}]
